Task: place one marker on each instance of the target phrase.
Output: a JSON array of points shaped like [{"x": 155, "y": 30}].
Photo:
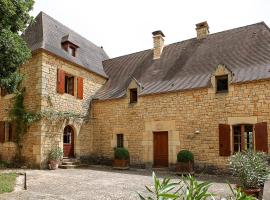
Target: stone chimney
[
  {"x": 158, "y": 41},
  {"x": 202, "y": 30}
]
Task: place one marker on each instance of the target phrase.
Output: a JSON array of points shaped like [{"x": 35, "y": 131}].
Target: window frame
[
  {"x": 222, "y": 77},
  {"x": 69, "y": 48},
  {"x": 243, "y": 141},
  {"x": 68, "y": 77},
  {"x": 133, "y": 99},
  {"x": 120, "y": 140}
]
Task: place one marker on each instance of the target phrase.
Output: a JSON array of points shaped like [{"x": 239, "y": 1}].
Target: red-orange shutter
[
  {"x": 60, "y": 81},
  {"x": 79, "y": 87},
  {"x": 2, "y": 132},
  {"x": 224, "y": 140},
  {"x": 261, "y": 137}
]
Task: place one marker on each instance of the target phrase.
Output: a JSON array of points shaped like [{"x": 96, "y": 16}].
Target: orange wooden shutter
[
  {"x": 79, "y": 87},
  {"x": 261, "y": 137},
  {"x": 60, "y": 81},
  {"x": 2, "y": 132},
  {"x": 224, "y": 140}
]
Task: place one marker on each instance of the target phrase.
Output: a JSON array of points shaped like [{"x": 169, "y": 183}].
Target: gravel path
[{"x": 101, "y": 184}]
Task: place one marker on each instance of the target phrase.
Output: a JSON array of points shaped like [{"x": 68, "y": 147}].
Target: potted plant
[
  {"x": 185, "y": 162},
  {"x": 252, "y": 170},
  {"x": 121, "y": 158},
  {"x": 55, "y": 155}
]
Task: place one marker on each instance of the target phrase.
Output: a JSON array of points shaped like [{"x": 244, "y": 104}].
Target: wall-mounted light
[{"x": 197, "y": 132}]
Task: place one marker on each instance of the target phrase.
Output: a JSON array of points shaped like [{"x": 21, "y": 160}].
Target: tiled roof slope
[
  {"x": 47, "y": 33},
  {"x": 190, "y": 63}
]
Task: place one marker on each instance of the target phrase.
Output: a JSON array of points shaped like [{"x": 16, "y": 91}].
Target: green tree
[{"x": 14, "y": 18}]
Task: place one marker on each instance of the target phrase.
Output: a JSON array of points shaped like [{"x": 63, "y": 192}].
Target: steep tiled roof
[
  {"x": 190, "y": 63},
  {"x": 47, "y": 33}
]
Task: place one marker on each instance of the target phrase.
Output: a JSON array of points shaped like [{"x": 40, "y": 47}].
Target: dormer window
[
  {"x": 222, "y": 84},
  {"x": 133, "y": 95},
  {"x": 70, "y": 48}
]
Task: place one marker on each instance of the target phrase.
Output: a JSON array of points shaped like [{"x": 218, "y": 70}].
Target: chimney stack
[
  {"x": 158, "y": 41},
  {"x": 202, "y": 30}
]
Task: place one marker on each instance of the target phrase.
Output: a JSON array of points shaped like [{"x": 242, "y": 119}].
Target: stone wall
[
  {"x": 32, "y": 79},
  {"x": 52, "y": 131},
  {"x": 190, "y": 117}
]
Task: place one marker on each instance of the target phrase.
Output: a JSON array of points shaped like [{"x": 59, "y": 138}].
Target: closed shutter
[
  {"x": 224, "y": 140},
  {"x": 61, "y": 81},
  {"x": 79, "y": 87},
  {"x": 2, "y": 132},
  {"x": 261, "y": 137}
]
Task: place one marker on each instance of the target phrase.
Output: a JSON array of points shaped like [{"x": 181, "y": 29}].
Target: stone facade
[{"x": 191, "y": 119}]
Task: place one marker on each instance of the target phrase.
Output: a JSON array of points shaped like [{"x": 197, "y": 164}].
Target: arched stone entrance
[{"x": 68, "y": 142}]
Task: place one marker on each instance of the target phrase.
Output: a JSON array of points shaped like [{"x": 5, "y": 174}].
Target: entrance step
[{"x": 70, "y": 163}]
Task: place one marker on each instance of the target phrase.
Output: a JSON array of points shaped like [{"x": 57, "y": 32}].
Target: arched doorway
[{"x": 68, "y": 142}]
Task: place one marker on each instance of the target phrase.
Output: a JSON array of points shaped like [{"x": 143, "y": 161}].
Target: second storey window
[
  {"x": 69, "y": 84},
  {"x": 222, "y": 84},
  {"x": 120, "y": 140},
  {"x": 133, "y": 95}
]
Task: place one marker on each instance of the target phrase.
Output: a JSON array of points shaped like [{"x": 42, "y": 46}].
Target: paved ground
[{"x": 93, "y": 184}]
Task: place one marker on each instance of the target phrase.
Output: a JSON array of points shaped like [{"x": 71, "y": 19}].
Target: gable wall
[{"x": 181, "y": 114}]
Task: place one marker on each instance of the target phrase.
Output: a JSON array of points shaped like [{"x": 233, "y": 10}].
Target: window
[
  {"x": 120, "y": 140},
  {"x": 222, "y": 84},
  {"x": 67, "y": 135},
  {"x": 7, "y": 132},
  {"x": 242, "y": 137},
  {"x": 69, "y": 84},
  {"x": 70, "y": 48},
  {"x": 133, "y": 95}
]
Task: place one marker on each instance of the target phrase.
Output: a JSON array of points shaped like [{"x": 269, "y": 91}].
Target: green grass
[{"x": 7, "y": 182}]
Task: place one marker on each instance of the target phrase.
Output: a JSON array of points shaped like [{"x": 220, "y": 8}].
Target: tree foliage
[{"x": 14, "y": 18}]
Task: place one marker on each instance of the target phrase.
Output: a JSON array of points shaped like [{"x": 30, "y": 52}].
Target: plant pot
[
  {"x": 120, "y": 164},
  {"x": 53, "y": 164},
  {"x": 184, "y": 167},
  {"x": 255, "y": 192}
]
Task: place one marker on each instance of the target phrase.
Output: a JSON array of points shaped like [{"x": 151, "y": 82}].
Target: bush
[
  {"x": 56, "y": 154},
  {"x": 251, "y": 168},
  {"x": 185, "y": 156},
  {"x": 4, "y": 164},
  {"x": 121, "y": 154}
]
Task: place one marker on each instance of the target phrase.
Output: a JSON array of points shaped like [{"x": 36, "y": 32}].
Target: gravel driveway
[{"x": 101, "y": 184}]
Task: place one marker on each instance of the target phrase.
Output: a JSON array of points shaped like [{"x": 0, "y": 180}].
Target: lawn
[{"x": 7, "y": 182}]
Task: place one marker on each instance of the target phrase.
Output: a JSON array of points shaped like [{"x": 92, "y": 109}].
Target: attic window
[
  {"x": 70, "y": 48},
  {"x": 222, "y": 84},
  {"x": 133, "y": 95}
]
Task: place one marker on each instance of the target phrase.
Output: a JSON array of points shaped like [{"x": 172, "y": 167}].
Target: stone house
[{"x": 209, "y": 94}]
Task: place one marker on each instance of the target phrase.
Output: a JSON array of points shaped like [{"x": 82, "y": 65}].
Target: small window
[
  {"x": 222, "y": 84},
  {"x": 120, "y": 140},
  {"x": 133, "y": 95},
  {"x": 70, "y": 48},
  {"x": 67, "y": 135},
  {"x": 69, "y": 84},
  {"x": 242, "y": 137}
]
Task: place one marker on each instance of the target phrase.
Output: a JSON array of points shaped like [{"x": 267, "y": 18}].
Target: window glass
[
  {"x": 237, "y": 138},
  {"x": 133, "y": 95},
  {"x": 120, "y": 140},
  {"x": 67, "y": 135},
  {"x": 222, "y": 83},
  {"x": 69, "y": 84},
  {"x": 242, "y": 137}
]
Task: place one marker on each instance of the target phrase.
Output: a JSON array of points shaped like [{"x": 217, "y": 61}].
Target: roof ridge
[
  {"x": 50, "y": 17},
  {"x": 182, "y": 41}
]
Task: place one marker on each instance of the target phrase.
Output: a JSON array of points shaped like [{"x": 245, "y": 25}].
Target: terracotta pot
[
  {"x": 255, "y": 192},
  {"x": 53, "y": 164},
  {"x": 185, "y": 167},
  {"x": 121, "y": 164}
]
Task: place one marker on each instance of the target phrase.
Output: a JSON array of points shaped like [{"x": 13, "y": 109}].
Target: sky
[{"x": 126, "y": 26}]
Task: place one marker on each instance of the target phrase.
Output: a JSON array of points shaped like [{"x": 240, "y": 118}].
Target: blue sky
[{"x": 125, "y": 26}]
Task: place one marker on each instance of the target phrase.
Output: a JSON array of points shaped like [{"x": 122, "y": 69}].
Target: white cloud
[{"x": 125, "y": 26}]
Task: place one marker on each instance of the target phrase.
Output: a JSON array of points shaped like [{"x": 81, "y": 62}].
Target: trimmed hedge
[
  {"x": 121, "y": 154},
  {"x": 185, "y": 156}
]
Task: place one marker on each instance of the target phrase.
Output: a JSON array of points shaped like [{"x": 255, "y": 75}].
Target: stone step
[
  {"x": 68, "y": 166},
  {"x": 70, "y": 163}
]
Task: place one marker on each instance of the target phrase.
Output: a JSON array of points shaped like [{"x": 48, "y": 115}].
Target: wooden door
[
  {"x": 161, "y": 149},
  {"x": 68, "y": 142}
]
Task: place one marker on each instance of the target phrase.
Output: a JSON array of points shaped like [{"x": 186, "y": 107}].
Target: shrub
[
  {"x": 4, "y": 164},
  {"x": 121, "y": 154},
  {"x": 56, "y": 154},
  {"x": 251, "y": 168},
  {"x": 185, "y": 156}
]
